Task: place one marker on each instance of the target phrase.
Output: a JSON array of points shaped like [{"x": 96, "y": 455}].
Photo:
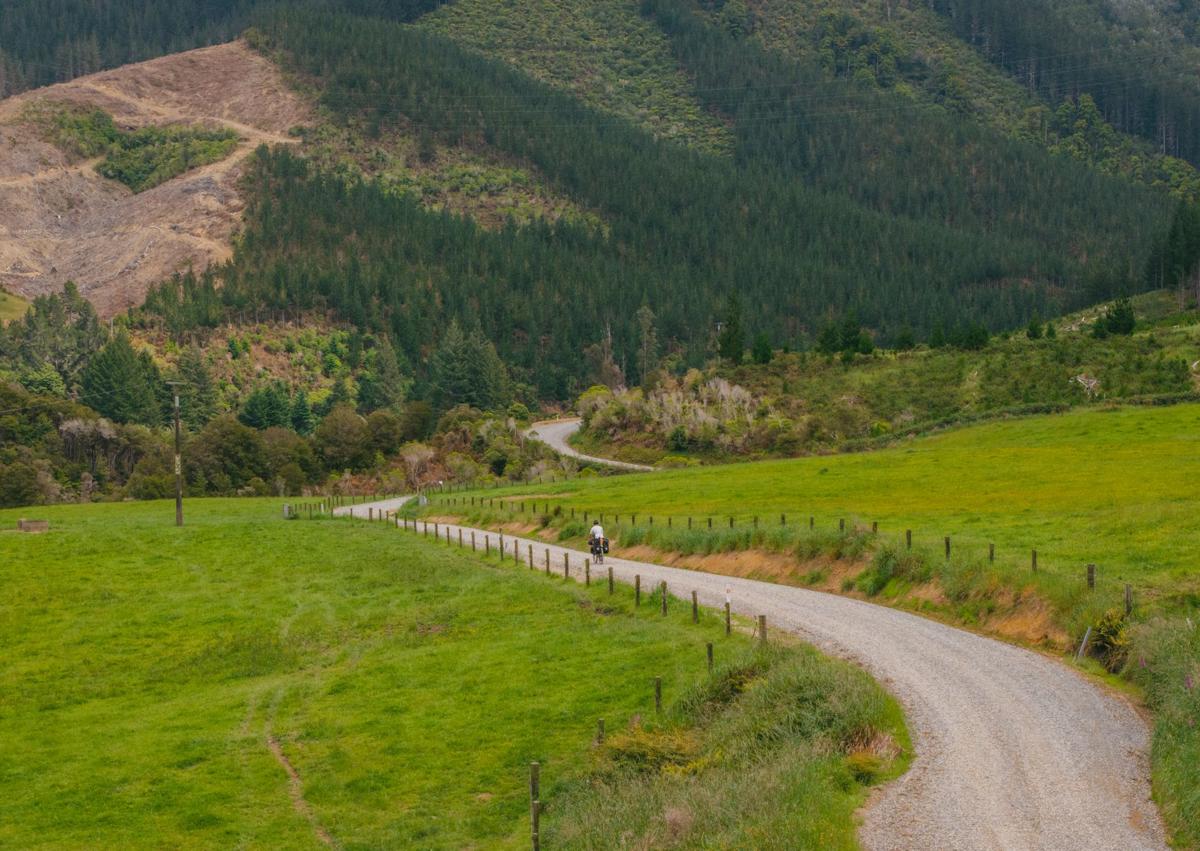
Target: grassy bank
[{"x": 149, "y": 671}]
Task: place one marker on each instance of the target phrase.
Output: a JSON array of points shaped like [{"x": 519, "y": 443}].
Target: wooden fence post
[
  {"x": 637, "y": 589},
  {"x": 728, "y": 620},
  {"x": 1128, "y": 600},
  {"x": 762, "y": 629},
  {"x": 658, "y": 695},
  {"x": 908, "y": 539},
  {"x": 1033, "y": 560},
  {"x": 695, "y": 609},
  {"x": 708, "y": 648},
  {"x": 610, "y": 580},
  {"x": 600, "y": 731},
  {"x": 991, "y": 552},
  {"x": 535, "y": 804},
  {"x": 1091, "y": 576},
  {"x": 947, "y": 546},
  {"x": 664, "y": 599}
]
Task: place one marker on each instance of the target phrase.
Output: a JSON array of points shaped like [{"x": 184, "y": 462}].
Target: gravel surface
[
  {"x": 1014, "y": 750},
  {"x": 554, "y": 433}
]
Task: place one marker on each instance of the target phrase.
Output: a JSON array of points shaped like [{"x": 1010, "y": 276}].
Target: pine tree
[
  {"x": 647, "y": 341},
  {"x": 197, "y": 394},
  {"x": 450, "y": 369},
  {"x": 762, "y": 351},
  {"x": 384, "y": 386},
  {"x": 267, "y": 406},
  {"x": 303, "y": 420},
  {"x": 731, "y": 342},
  {"x": 122, "y": 385}
]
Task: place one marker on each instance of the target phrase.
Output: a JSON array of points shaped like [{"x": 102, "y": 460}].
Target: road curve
[
  {"x": 555, "y": 433},
  {"x": 1014, "y": 750}
]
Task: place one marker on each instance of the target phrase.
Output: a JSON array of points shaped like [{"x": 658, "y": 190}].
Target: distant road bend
[
  {"x": 1014, "y": 750},
  {"x": 556, "y": 433}
]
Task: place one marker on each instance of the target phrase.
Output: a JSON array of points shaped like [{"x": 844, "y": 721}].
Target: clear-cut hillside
[{"x": 60, "y": 220}]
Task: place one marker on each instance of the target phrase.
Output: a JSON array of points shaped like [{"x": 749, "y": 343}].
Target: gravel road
[
  {"x": 1014, "y": 750},
  {"x": 554, "y": 433}
]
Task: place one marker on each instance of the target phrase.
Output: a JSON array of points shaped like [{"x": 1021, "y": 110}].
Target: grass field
[
  {"x": 11, "y": 307},
  {"x": 145, "y": 673},
  {"x": 1112, "y": 487}
]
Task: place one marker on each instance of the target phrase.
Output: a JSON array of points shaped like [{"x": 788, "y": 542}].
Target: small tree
[
  {"x": 762, "y": 352},
  {"x": 731, "y": 342},
  {"x": 416, "y": 458},
  {"x": 647, "y": 342},
  {"x": 303, "y": 420},
  {"x": 1034, "y": 329},
  {"x": 1119, "y": 318}
]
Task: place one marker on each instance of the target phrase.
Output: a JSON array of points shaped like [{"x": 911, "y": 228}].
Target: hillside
[
  {"x": 822, "y": 400},
  {"x": 60, "y": 220}
]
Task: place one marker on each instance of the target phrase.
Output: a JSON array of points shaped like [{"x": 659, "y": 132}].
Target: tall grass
[
  {"x": 800, "y": 541},
  {"x": 1164, "y": 659},
  {"x": 775, "y": 750}
]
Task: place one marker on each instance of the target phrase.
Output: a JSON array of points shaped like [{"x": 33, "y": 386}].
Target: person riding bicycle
[{"x": 596, "y": 541}]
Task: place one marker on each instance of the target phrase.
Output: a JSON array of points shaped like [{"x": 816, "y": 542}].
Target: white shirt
[{"x": 597, "y": 531}]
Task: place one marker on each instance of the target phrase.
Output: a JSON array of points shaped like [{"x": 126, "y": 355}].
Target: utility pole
[{"x": 178, "y": 458}]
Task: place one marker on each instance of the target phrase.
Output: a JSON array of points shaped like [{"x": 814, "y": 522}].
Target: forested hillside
[
  {"x": 50, "y": 41},
  {"x": 902, "y": 218}
]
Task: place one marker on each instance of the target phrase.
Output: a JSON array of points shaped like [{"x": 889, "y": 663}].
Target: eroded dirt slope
[{"x": 60, "y": 220}]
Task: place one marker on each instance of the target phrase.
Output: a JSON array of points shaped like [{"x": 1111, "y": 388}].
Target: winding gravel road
[
  {"x": 1014, "y": 750},
  {"x": 555, "y": 433}
]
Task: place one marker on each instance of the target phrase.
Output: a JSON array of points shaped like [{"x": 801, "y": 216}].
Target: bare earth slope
[
  {"x": 60, "y": 220},
  {"x": 1013, "y": 750}
]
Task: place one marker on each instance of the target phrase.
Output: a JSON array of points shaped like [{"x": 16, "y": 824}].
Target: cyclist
[{"x": 596, "y": 542}]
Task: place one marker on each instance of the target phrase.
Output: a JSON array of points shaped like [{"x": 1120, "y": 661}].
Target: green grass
[
  {"x": 1164, "y": 658},
  {"x": 11, "y": 307},
  {"x": 144, "y": 668}
]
